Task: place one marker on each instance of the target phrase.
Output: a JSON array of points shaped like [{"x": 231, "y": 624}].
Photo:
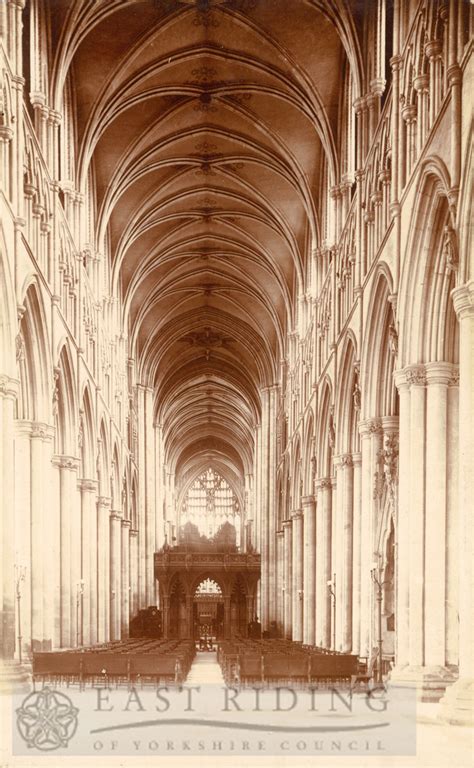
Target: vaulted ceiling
[{"x": 206, "y": 123}]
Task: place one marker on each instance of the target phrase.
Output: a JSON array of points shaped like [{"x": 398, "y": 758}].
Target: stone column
[
  {"x": 416, "y": 377},
  {"x": 457, "y": 705},
  {"x": 264, "y": 509},
  {"x": 403, "y": 524},
  {"x": 126, "y": 589},
  {"x": 323, "y": 561},
  {"x": 115, "y": 573},
  {"x": 89, "y": 561},
  {"x": 133, "y": 572},
  {"x": 346, "y": 534},
  {"x": 280, "y": 580},
  {"x": 103, "y": 575},
  {"x": 142, "y": 580},
  {"x": 22, "y": 549},
  {"x": 150, "y": 471},
  {"x": 42, "y": 596},
  {"x": 8, "y": 393},
  {"x": 356, "y": 544},
  {"x": 297, "y": 575},
  {"x": 371, "y": 443},
  {"x": 272, "y": 504},
  {"x": 438, "y": 376},
  {"x": 287, "y": 534},
  {"x": 309, "y": 580}
]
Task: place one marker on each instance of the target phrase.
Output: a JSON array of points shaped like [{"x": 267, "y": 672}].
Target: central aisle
[{"x": 205, "y": 669}]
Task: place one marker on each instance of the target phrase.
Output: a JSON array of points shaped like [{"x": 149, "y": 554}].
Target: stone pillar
[
  {"x": 371, "y": 444},
  {"x": 280, "y": 580},
  {"x": 417, "y": 379},
  {"x": 126, "y": 588},
  {"x": 103, "y": 575},
  {"x": 402, "y": 533},
  {"x": 287, "y": 534},
  {"x": 422, "y": 537},
  {"x": 272, "y": 505},
  {"x": 42, "y": 595},
  {"x": 8, "y": 393},
  {"x": 22, "y": 549},
  {"x": 150, "y": 471},
  {"x": 115, "y": 573},
  {"x": 89, "y": 561},
  {"x": 133, "y": 572},
  {"x": 264, "y": 509},
  {"x": 438, "y": 376},
  {"x": 457, "y": 705},
  {"x": 297, "y": 575},
  {"x": 142, "y": 580},
  {"x": 346, "y": 535},
  {"x": 323, "y": 561},
  {"x": 309, "y": 578},
  {"x": 356, "y": 545}
]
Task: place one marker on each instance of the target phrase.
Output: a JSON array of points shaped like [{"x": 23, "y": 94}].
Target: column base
[
  {"x": 457, "y": 704},
  {"x": 430, "y": 682},
  {"x": 14, "y": 677}
]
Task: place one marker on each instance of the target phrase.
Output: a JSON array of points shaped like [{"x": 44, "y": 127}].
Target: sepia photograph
[{"x": 236, "y": 383}]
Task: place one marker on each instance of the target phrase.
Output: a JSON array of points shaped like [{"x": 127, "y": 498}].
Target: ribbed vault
[{"x": 207, "y": 126}]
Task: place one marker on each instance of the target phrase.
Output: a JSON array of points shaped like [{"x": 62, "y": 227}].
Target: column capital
[
  {"x": 287, "y": 523},
  {"x": 104, "y": 501},
  {"x": 296, "y": 514},
  {"x": 134, "y": 532},
  {"x": 91, "y": 486},
  {"x": 40, "y": 430},
  {"x": 416, "y": 375},
  {"x": 442, "y": 373},
  {"x": 324, "y": 482},
  {"x": 65, "y": 462},
  {"x": 306, "y": 501},
  {"x": 346, "y": 460},
  {"x": 370, "y": 426},
  {"x": 115, "y": 514},
  {"x": 9, "y": 387},
  {"x": 126, "y": 523},
  {"x": 357, "y": 459},
  {"x": 463, "y": 300}
]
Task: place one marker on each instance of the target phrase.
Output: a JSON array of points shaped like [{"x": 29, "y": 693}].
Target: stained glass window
[{"x": 209, "y": 503}]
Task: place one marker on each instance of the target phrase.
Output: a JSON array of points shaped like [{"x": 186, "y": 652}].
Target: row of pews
[
  {"x": 134, "y": 661},
  {"x": 246, "y": 661}
]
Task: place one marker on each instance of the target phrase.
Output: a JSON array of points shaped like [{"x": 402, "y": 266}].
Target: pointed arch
[
  {"x": 87, "y": 437},
  {"x": 65, "y": 407},
  {"x": 346, "y": 413},
  {"x": 325, "y": 449},
  {"x": 379, "y": 395},
  {"x": 35, "y": 402}
]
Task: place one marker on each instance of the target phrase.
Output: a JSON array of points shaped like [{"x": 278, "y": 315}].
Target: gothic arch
[
  {"x": 7, "y": 313},
  {"x": 326, "y": 435},
  {"x": 346, "y": 408},
  {"x": 35, "y": 402},
  {"x": 379, "y": 352},
  {"x": 87, "y": 437},
  {"x": 429, "y": 329},
  {"x": 65, "y": 408}
]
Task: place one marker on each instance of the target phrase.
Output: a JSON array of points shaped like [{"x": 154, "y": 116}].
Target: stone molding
[{"x": 9, "y": 387}]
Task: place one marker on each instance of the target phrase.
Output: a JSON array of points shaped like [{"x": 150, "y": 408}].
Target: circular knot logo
[{"x": 47, "y": 720}]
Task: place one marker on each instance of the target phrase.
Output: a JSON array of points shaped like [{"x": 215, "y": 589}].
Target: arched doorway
[{"x": 208, "y": 613}]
